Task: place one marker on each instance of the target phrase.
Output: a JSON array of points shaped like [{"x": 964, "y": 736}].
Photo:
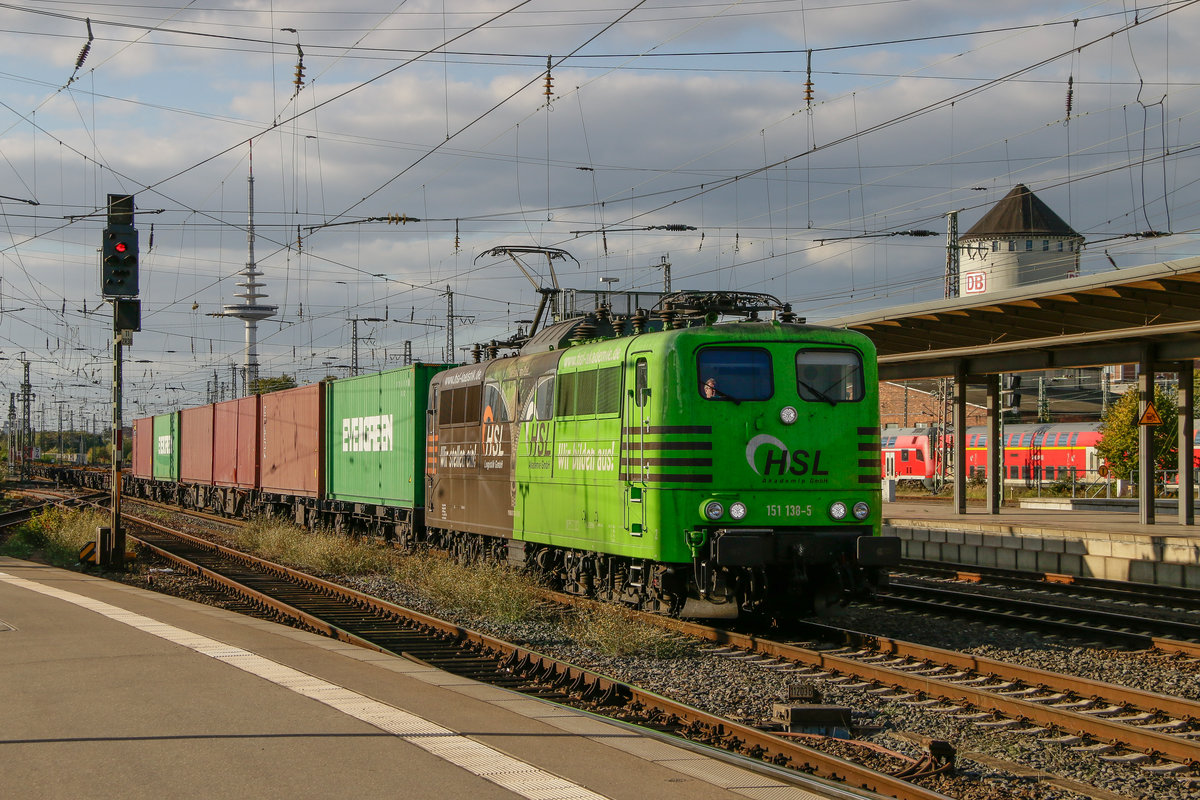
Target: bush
[{"x": 57, "y": 533}]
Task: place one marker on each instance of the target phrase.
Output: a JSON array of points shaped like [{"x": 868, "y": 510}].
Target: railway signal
[
  {"x": 119, "y": 284},
  {"x": 119, "y": 266}
]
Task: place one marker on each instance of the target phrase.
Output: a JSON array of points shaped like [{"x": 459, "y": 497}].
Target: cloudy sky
[{"x": 661, "y": 113}]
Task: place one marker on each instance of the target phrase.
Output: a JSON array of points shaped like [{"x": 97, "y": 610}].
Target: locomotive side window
[
  {"x": 641, "y": 382},
  {"x": 829, "y": 376},
  {"x": 565, "y": 405},
  {"x": 545, "y": 397},
  {"x": 460, "y": 406},
  {"x": 493, "y": 398},
  {"x": 608, "y": 390},
  {"x": 537, "y": 398},
  {"x": 585, "y": 393},
  {"x": 736, "y": 373}
]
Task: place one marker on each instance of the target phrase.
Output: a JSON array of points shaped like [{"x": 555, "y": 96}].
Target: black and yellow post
[{"x": 119, "y": 284}]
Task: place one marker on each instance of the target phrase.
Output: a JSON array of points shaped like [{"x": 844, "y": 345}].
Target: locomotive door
[
  {"x": 889, "y": 464},
  {"x": 635, "y": 426}
]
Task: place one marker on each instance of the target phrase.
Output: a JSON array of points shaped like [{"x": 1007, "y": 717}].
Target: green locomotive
[
  {"x": 668, "y": 462},
  {"x": 663, "y": 461}
]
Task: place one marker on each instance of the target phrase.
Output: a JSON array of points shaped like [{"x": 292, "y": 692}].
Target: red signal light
[{"x": 120, "y": 247}]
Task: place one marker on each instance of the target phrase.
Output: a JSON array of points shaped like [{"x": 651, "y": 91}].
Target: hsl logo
[{"x": 781, "y": 461}]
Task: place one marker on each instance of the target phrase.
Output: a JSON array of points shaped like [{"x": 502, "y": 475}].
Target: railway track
[
  {"x": 1092, "y": 623},
  {"x": 1118, "y": 724},
  {"x": 351, "y": 616},
  {"x": 1125, "y": 592}
]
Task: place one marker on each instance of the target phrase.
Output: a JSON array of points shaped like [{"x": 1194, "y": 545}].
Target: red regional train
[{"x": 1032, "y": 453}]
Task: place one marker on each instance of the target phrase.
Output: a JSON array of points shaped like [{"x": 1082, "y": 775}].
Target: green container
[
  {"x": 166, "y": 447},
  {"x": 375, "y": 436}
]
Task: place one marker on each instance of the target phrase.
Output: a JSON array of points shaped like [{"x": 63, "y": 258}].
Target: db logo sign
[{"x": 975, "y": 283}]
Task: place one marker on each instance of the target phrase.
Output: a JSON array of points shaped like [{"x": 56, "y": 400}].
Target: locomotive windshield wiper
[{"x": 820, "y": 395}]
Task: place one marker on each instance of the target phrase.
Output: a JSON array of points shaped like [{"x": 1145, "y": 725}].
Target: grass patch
[
  {"x": 491, "y": 590},
  {"x": 57, "y": 534},
  {"x": 315, "y": 551},
  {"x": 615, "y": 631}
]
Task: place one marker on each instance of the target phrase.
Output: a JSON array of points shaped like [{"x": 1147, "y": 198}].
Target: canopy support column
[
  {"x": 1186, "y": 472},
  {"x": 960, "y": 438},
  {"x": 1145, "y": 440},
  {"x": 995, "y": 446}
]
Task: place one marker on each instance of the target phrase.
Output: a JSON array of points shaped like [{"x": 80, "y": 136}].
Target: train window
[
  {"x": 585, "y": 393},
  {"x": 608, "y": 390},
  {"x": 971, "y": 440},
  {"x": 739, "y": 373},
  {"x": 1074, "y": 438},
  {"x": 920, "y": 455},
  {"x": 537, "y": 398},
  {"x": 982, "y": 440},
  {"x": 829, "y": 376},
  {"x": 494, "y": 402},
  {"x": 641, "y": 382},
  {"x": 904, "y": 455},
  {"x": 445, "y": 406},
  {"x": 565, "y": 405},
  {"x": 545, "y": 397},
  {"x": 461, "y": 406},
  {"x": 473, "y": 403},
  {"x": 1025, "y": 440}
]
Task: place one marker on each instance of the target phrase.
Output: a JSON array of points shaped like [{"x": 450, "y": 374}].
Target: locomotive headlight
[
  {"x": 788, "y": 415},
  {"x": 738, "y": 510},
  {"x": 713, "y": 510},
  {"x": 861, "y": 510},
  {"x": 837, "y": 509}
]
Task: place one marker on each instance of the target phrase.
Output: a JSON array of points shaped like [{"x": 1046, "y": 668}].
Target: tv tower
[{"x": 250, "y": 311}]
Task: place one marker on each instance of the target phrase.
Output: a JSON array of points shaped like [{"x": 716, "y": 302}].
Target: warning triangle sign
[{"x": 1150, "y": 416}]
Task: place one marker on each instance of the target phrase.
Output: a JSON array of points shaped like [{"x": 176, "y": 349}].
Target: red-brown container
[
  {"x": 235, "y": 443},
  {"x": 291, "y": 459},
  {"x": 196, "y": 445},
  {"x": 143, "y": 448}
]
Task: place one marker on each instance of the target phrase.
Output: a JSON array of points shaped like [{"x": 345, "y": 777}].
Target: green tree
[
  {"x": 1119, "y": 431},
  {"x": 268, "y": 385}
]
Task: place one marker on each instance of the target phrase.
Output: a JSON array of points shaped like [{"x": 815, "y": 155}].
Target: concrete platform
[
  {"x": 1109, "y": 544},
  {"x": 108, "y": 691}
]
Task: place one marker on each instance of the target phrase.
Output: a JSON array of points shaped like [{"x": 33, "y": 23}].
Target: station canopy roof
[{"x": 1115, "y": 317}]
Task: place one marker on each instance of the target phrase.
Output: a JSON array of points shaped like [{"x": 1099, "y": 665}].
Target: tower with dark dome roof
[{"x": 1018, "y": 242}]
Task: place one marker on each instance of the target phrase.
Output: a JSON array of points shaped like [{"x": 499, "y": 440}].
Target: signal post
[{"x": 118, "y": 285}]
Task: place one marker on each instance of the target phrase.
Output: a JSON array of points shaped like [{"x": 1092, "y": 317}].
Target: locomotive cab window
[
  {"x": 829, "y": 376},
  {"x": 735, "y": 373}
]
